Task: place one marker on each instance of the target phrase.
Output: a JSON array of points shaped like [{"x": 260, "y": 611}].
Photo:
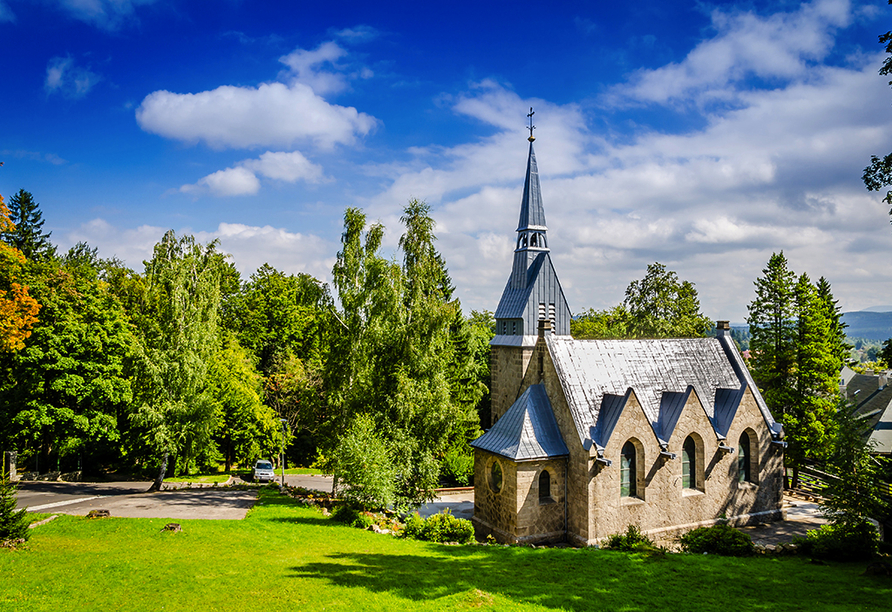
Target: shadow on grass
[{"x": 572, "y": 579}]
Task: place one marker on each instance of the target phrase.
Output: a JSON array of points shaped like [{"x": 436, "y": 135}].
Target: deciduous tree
[
  {"x": 177, "y": 332},
  {"x": 18, "y": 310}
]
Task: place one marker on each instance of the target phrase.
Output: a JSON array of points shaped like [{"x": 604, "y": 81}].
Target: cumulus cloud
[
  {"x": 242, "y": 178},
  {"x": 779, "y": 46},
  {"x": 778, "y": 171},
  {"x": 275, "y": 114},
  {"x": 63, "y": 76},
  {"x": 250, "y": 246}
]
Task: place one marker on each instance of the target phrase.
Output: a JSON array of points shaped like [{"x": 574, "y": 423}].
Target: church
[{"x": 590, "y": 436}]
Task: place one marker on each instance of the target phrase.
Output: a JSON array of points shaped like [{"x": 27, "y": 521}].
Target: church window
[
  {"x": 541, "y": 311},
  {"x": 747, "y": 463},
  {"x": 495, "y": 477},
  {"x": 504, "y": 327},
  {"x": 551, "y": 316},
  {"x": 628, "y": 473},
  {"x": 513, "y": 328},
  {"x": 689, "y": 464},
  {"x": 534, "y": 240},
  {"x": 544, "y": 486}
]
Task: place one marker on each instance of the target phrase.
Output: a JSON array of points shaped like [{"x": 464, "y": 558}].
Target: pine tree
[
  {"x": 13, "y": 523},
  {"x": 27, "y": 236},
  {"x": 808, "y": 422},
  {"x": 773, "y": 327},
  {"x": 833, "y": 313}
]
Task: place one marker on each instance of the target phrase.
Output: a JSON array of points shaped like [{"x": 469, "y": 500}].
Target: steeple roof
[{"x": 532, "y": 213}]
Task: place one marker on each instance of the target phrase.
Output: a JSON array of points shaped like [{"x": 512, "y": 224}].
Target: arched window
[
  {"x": 744, "y": 455},
  {"x": 628, "y": 472},
  {"x": 689, "y": 464},
  {"x": 495, "y": 477},
  {"x": 544, "y": 486}
]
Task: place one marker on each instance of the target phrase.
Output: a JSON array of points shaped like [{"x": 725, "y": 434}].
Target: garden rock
[
  {"x": 98, "y": 514},
  {"x": 172, "y": 527},
  {"x": 878, "y": 568}
]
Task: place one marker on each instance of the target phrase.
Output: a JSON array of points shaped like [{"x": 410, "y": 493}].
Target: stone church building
[{"x": 590, "y": 436}]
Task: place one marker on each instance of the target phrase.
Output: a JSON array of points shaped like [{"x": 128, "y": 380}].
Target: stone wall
[
  {"x": 595, "y": 507},
  {"x": 517, "y": 512},
  {"x": 508, "y": 365}
]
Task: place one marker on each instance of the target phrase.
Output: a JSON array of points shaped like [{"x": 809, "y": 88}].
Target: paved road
[{"x": 130, "y": 499}]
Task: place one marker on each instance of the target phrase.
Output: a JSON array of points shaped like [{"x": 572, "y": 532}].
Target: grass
[
  {"x": 202, "y": 478},
  {"x": 283, "y": 556},
  {"x": 302, "y": 470}
]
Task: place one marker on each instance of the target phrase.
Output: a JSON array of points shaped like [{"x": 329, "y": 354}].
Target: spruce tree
[
  {"x": 13, "y": 523},
  {"x": 833, "y": 313},
  {"x": 808, "y": 422},
  {"x": 27, "y": 236},
  {"x": 773, "y": 328}
]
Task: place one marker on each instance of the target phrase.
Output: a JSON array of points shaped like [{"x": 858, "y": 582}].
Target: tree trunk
[
  {"x": 795, "y": 481},
  {"x": 156, "y": 486}
]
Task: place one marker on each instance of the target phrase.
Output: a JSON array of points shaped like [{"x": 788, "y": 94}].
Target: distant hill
[
  {"x": 885, "y": 308},
  {"x": 868, "y": 325}
]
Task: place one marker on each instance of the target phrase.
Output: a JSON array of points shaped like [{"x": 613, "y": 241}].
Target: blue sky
[{"x": 701, "y": 135}]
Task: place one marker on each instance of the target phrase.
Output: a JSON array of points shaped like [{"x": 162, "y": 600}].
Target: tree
[
  {"x": 65, "y": 394},
  {"x": 177, "y": 333},
  {"x": 838, "y": 344},
  {"x": 18, "y": 310},
  {"x": 27, "y": 234},
  {"x": 399, "y": 356},
  {"x": 660, "y": 306},
  {"x": 592, "y": 324},
  {"x": 246, "y": 428},
  {"x": 773, "y": 327},
  {"x": 879, "y": 173},
  {"x": 855, "y": 494},
  {"x": 808, "y": 422},
  {"x": 13, "y": 523},
  {"x": 886, "y": 353}
]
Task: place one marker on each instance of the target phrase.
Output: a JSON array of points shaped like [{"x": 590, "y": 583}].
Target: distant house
[
  {"x": 590, "y": 436},
  {"x": 871, "y": 395}
]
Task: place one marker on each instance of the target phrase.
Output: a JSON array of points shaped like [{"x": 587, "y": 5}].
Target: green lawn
[
  {"x": 202, "y": 478},
  {"x": 287, "y": 557}
]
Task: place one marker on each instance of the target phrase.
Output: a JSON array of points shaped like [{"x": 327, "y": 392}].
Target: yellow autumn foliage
[{"x": 18, "y": 310}]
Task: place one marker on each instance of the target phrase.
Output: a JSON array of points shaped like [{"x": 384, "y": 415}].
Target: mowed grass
[{"x": 285, "y": 557}]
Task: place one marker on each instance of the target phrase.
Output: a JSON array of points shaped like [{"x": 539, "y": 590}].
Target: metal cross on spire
[{"x": 532, "y": 127}]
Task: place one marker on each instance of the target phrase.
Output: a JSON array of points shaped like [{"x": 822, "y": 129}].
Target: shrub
[
  {"x": 413, "y": 527},
  {"x": 458, "y": 466},
  {"x": 441, "y": 527},
  {"x": 719, "y": 539},
  {"x": 853, "y": 541},
  {"x": 630, "y": 541},
  {"x": 13, "y": 523},
  {"x": 353, "y": 516}
]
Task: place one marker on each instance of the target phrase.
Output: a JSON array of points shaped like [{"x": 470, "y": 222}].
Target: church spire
[{"x": 531, "y": 227}]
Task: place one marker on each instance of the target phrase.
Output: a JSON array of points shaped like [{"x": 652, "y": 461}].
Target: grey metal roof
[
  {"x": 876, "y": 410},
  {"x": 532, "y": 213},
  {"x": 526, "y": 431},
  {"x": 661, "y": 373}
]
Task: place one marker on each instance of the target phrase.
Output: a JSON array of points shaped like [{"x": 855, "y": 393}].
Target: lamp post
[{"x": 284, "y": 423}]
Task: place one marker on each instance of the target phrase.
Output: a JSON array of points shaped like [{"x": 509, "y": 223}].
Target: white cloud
[
  {"x": 275, "y": 114},
  {"x": 242, "y": 178},
  {"x": 305, "y": 64},
  {"x": 229, "y": 182},
  {"x": 250, "y": 246},
  {"x": 781, "y": 171},
  {"x": 780, "y": 46},
  {"x": 104, "y": 14},
  {"x": 272, "y": 114},
  {"x": 65, "y": 77}
]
